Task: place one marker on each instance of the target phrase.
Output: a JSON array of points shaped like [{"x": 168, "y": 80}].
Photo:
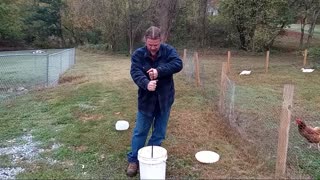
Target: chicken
[{"x": 312, "y": 134}]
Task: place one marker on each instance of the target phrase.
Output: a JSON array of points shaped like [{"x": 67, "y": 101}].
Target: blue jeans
[{"x": 142, "y": 128}]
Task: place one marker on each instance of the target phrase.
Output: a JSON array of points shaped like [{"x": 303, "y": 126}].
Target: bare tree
[
  {"x": 163, "y": 16},
  {"x": 309, "y": 12},
  {"x": 77, "y": 19},
  {"x": 314, "y": 18},
  {"x": 137, "y": 17},
  {"x": 202, "y": 21}
]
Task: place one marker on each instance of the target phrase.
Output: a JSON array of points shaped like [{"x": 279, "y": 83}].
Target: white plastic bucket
[{"x": 152, "y": 168}]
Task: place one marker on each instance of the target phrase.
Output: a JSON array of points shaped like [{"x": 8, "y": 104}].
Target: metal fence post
[
  {"x": 74, "y": 55},
  {"x": 48, "y": 69},
  {"x": 69, "y": 57},
  {"x": 61, "y": 68}
]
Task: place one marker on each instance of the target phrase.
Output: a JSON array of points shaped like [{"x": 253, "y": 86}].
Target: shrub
[
  {"x": 314, "y": 55},
  {"x": 96, "y": 47}
]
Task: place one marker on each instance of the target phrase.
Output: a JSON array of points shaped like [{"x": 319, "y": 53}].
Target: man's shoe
[{"x": 132, "y": 169}]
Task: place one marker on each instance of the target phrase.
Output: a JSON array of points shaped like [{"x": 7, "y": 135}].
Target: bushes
[
  {"x": 219, "y": 33},
  {"x": 96, "y": 47},
  {"x": 314, "y": 55}
]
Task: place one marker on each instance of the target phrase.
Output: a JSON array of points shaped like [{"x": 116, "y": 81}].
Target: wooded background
[{"x": 118, "y": 25}]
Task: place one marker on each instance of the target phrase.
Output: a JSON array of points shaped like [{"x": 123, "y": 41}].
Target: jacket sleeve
[
  {"x": 173, "y": 65},
  {"x": 137, "y": 72}
]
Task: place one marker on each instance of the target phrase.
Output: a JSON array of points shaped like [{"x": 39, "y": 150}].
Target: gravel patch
[
  {"x": 27, "y": 151},
  {"x": 22, "y": 149},
  {"x": 10, "y": 173}
]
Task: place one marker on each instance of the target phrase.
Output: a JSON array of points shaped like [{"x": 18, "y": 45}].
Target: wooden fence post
[
  {"x": 184, "y": 55},
  {"x": 223, "y": 87},
  {"x": 267, "y": 61},
  {"x": 197, "y": 69},
  {"x": 228, "y": 61},
  {"x": 305, "y": 57},
  {"x": 184, "y": 60},
  {"x": 283, "y": 137}
]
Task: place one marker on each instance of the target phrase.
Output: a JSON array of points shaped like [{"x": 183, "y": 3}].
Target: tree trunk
[
  {"x": 130, "y": 28},
  {"x": 203, "y": 21},
  {"x": 272, "y": 39},
  {"x": 303, "y": 24},
  {"x": 165, "y": 11},
  {"x": 313, "y": 25},
  {"x": 60, "y": 32},
  {"x": 131, "y": 39},
  {"x": 137, "y": 10},
  {"x": 242, "y": 37}
]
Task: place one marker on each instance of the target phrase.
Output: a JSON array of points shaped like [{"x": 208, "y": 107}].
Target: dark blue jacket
[{"x": 167, "y": 63}]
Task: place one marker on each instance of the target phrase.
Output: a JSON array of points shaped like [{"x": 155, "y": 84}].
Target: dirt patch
[
  {"x": 196, "y": 131},
  {"x": 72, "y": 79},
  {"x": 84, "y": 117},
  {"x": 289, "y": 33},
  {"x": 80, "y": 148},
  {"x": 6, "y": 45}
]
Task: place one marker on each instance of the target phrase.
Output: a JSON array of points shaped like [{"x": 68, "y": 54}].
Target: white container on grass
[
  {"x": 122, "y": 125},
  {"x": 152, "y": 167}
]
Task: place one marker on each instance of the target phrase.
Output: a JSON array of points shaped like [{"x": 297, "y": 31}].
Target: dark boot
[{"x": 132, "y": 169}]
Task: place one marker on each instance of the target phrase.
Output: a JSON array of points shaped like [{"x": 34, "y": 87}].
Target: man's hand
[
  {"x": 152, "y": 85},
  {"x": 153, "y": 73}
]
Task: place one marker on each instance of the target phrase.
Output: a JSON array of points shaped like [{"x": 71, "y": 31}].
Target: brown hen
[{"x": 312, "y": 134}]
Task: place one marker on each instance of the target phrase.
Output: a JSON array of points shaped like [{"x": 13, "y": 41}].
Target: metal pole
[
  {"x": 48, "y": 70},
  {"x": 151, "y": 135},
  {"x": 61, "y": 70},
  {"x": 74, "y": 55}
]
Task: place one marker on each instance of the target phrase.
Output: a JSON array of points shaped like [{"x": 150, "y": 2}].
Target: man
[{"x": 152, "y": 69}]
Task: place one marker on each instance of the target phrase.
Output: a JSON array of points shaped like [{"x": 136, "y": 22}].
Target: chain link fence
[{"x": 22, "y": 71}]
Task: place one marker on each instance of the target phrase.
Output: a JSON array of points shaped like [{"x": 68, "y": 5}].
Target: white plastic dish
[
  {"x": 207, "y": 156},
  {"x": 307, "y": 70},
  {"x": 245, "y": 72},
  {"x": 122, "y": 125}
]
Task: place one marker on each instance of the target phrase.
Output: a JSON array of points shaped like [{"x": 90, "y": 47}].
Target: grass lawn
[
  {"x": 297, "y": 28},
  {"x": 80, "y": 116},
  {"x": 258, "y": 100},
  {"x": 73, "y": 125}
]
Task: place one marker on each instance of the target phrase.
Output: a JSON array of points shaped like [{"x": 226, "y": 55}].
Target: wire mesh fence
[
  {"x": 301, "y": 153},
  {"x": 21, "y": 71},
  {"x": 227, "y": 108},
  {"x": 253, "y": 104},
  {"x": 188, "y": 66}
]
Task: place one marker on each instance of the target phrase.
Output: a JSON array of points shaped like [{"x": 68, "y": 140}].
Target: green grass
[
  {"x": 60, "y": 119},
  {"x": 261, "y": 94},
  {"x": 258, "y": 100},
  {"x": 80, "y": 116},
  {"x": 297, "y": 28},
  {"x": 5, "y": 161}
]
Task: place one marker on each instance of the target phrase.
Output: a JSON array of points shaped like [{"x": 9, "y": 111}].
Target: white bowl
[
  {"x": 122, "y": 125},
  {"x": 207, "y": 156}
]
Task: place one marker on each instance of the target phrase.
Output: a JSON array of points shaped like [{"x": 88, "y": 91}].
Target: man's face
[{"x": 153, "y": 45}]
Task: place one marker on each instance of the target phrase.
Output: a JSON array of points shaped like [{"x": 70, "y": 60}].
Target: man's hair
[{"x": 153, "y": 32}]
